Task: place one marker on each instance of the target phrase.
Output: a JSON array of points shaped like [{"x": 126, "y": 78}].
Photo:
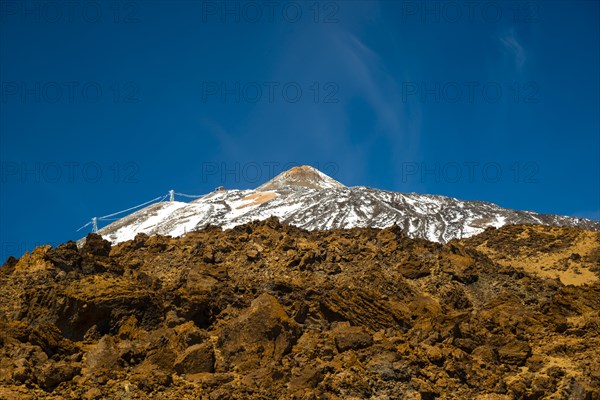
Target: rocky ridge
[{"x": 267, "y": 310}]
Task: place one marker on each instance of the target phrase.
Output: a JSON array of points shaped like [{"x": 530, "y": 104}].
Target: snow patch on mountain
[{"x": 307, "y": 198}]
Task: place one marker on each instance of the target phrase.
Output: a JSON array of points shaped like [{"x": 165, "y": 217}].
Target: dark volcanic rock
[
  {"x": 267, "y": 310},
  {"x": 351, "y": 338},
  {"x": 51, "y": 374},
  {"x": 96, "y": 245},
  {"x": 514, "y": 353},
  {"x": 195, "y": 359},
  {"x": 262, "y": 333}
]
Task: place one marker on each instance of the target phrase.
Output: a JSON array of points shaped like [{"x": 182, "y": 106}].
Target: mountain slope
[{"x": 307, "y": 198}]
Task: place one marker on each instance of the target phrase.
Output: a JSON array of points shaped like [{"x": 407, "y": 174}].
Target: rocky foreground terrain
[{"x": 271, "y": 311}]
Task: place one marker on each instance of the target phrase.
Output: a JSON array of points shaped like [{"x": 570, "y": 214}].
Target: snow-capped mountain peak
[
  {"x": 304, "y": 176},
  {"x": 307, "y": 198}
]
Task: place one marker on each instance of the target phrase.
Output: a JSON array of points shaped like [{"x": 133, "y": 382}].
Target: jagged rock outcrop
[{"x": 268, "y": 310}]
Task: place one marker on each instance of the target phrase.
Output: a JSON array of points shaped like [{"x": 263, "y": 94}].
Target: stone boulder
[
  {"x": 351, "y": 338},
  {"x": 262, "y": 331},
  {"x": 195, "y": 359}
]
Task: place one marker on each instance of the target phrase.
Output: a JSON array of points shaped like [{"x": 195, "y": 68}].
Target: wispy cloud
[
  {"x": 369, "y": 123},
  {"x": 342, "y": 56},
  {"x": 512, "y": 45},
  {"x": 224, "y": 140},
  {"x": 396, "y": 124}
]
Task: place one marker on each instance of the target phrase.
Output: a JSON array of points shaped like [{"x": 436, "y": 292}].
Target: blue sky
[{"x": 106, "y": 105}]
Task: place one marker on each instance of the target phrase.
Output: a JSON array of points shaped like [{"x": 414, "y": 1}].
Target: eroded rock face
[
  {"x": 267, "y": 310},
  {"x": 195, "y": 359},
  {"x": 351, "y": 338},
  {"x": 262, "y": 334}
]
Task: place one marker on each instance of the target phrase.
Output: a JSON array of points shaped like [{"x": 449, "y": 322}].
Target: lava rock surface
[{"x": 271, "y": 311}]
